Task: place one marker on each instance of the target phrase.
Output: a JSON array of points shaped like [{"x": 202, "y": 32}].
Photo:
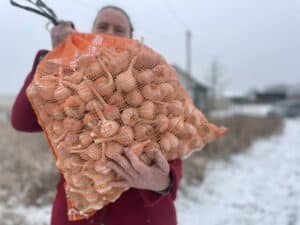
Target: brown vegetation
[
  {"x": 243, "y": 131},
  {"x": 28, "y": 173},
  {"x": 29, "y": 176}
]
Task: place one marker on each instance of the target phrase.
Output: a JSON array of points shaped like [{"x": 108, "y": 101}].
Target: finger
[
  {"x": 161, "y": 161},
  {"x": 61, "y": 29},
  {"x": 70, "y": 24},
  {"x": 64, "y": 26},
  {"x": 124, "y": 163},
  {"x": 119, "y": 171},
  {"x": 119, "y": 184},
  {"x": 134, "y": 160},
  {"x": 65, "y": 23}
]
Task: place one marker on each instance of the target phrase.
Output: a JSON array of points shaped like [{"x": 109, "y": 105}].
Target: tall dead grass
[
  {"x": 243, "y": 131},
  {"x": 29, "y": 176},
  {"x": 27, "y": 168}
]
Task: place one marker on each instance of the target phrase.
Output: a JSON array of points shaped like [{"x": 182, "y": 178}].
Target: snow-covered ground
[
  {"x": 257, "y": 187},
  {"x": 247, "y": 109},
  {"x": 23, "y": 215},
  {"x": 261, "y": 186}
]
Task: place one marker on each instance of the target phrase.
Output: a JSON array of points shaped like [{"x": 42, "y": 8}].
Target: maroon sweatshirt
[{"x": 134, "y": 207}]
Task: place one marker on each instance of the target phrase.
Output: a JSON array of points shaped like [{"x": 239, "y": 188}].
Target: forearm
[{"x": 23, "y": 117}]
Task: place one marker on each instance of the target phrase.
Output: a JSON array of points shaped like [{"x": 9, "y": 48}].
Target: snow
[
  {"x": 26, "y": 214},
  {"x": 247, "y": 109},
  {"x": 35, "y": 215},
  {"x": 260, "y": 186}
]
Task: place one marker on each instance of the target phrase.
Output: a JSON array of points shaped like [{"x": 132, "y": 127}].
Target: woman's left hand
[{"x": 136, "y": 174}]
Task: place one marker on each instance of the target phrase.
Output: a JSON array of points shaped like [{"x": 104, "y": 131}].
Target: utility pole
[
  {"x": 188, "y": 39},
  {"x": 188, "y": 46},
  {"x": 215, "y": 73}
]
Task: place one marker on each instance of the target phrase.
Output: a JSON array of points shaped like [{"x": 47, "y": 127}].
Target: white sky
[{"x": 257, "y": 42}]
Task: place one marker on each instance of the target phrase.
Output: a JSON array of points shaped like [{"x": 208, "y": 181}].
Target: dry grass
[
  {"x": 29, "y": 176},
  {"x": 243, "y": 131}
]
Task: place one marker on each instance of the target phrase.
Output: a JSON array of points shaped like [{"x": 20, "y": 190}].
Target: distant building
[
  {"x": 197, "y": 91},
  {"x": 239, "y": 97},
  {"x": 294, "y": 91},
  {"x": 272, "y": 94},
  {"x": 268, "y": 97}
]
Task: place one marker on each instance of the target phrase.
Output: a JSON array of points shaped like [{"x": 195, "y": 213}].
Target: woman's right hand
[{"x": 60, "y": 32}]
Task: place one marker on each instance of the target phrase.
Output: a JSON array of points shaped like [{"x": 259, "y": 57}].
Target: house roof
[{"x": 189, "y": 77}]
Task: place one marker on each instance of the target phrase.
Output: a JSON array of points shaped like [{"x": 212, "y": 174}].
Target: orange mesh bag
[{"x": 96, "y": 94}]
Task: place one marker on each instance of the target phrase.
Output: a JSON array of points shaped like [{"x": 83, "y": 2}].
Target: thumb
[{"x": 161, "y": 161}]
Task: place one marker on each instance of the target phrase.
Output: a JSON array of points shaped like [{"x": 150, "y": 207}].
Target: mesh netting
[{"x": 95, "y": 95}]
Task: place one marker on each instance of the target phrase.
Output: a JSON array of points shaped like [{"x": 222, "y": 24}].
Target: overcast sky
[{"x": 257, "y": 42}]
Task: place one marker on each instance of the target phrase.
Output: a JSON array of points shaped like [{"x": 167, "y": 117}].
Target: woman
[{"x": 150, "y": 199}]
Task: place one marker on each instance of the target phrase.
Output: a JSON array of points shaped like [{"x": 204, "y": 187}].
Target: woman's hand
[
  {"x": 137, "y": 174},
  {"x": 60, "y": 32}
]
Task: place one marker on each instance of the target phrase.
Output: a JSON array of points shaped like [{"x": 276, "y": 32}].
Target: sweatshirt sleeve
[
  {"x": 151, "y": 198},
  {"x": 23, "y": 117}
]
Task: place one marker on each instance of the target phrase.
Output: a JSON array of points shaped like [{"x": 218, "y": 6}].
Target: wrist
[{"x": 167, "y": 189}]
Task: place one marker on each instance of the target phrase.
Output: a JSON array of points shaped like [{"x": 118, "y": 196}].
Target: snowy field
[
  {"x": 247, "y": 109},
  {"x": 259, "y": 187},
  {"x": 23, "y": 215}
]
